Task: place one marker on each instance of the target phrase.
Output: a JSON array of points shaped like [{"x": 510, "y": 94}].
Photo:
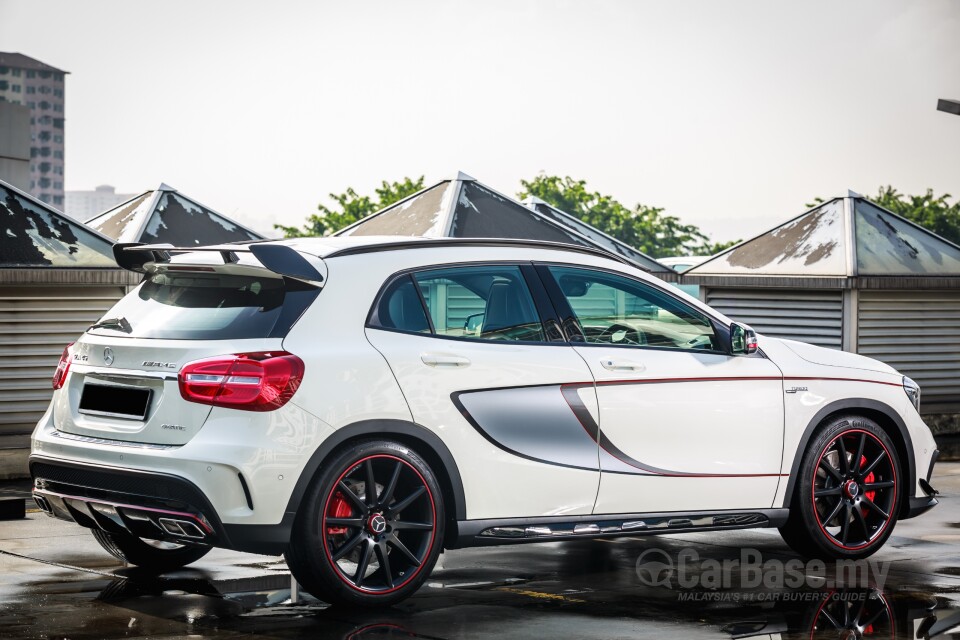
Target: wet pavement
[{"x": 56, "y": 582}]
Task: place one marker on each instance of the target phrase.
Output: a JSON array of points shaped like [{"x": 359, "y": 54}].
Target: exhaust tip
[
  {"x": 181, "y": 528},
  {"x": 42, "y": 504}
]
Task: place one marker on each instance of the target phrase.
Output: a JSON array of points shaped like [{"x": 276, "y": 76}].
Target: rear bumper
[{"x": 149, "y": 505}]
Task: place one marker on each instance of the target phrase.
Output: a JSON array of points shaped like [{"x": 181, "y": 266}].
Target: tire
[
  {"x": 842, "y": 509},
  {"x": 352, "y": 548},
  {"x": 156, "y": 557}
]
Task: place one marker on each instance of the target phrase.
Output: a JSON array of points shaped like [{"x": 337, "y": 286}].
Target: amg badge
[{"x": 161, "y": 365}]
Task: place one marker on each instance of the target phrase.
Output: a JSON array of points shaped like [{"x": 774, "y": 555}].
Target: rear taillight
[
  {"x": 249, "y": 381},
  {"x": 63, "y": 368}
]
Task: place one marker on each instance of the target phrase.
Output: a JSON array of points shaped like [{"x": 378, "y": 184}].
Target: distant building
[
  {"x": 83, "y": 205},
  {"x": 164, "y": 215},
  {"x": 40, "y": 88},
  {"x": 15, "y": 145},
  {"x": 850, "y": 275}
]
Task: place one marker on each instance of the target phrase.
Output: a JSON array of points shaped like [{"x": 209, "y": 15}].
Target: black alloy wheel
[
  {"x": 852, "y": 614},
  {"x": 374, "y": 529},
  {"x": 854, "y": 489},
  {"x": 847, "y": 494}
]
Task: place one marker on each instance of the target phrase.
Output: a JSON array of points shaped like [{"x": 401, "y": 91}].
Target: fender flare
[
  {"x": 384, "y": 428},
  {"x": 852, "y": 405}
]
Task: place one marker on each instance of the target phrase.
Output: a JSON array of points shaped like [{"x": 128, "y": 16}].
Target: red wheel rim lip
[
  {"x": 813, "y": 488},
  {"x": 323, "y": 527},
  {"x": 879, "y": 594}
]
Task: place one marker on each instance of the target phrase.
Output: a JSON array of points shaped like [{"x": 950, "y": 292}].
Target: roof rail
[{"x": 475, "y": 242}]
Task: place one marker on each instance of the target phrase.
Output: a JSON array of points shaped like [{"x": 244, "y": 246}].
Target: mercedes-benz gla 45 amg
[{"x": 360, "y": 405}]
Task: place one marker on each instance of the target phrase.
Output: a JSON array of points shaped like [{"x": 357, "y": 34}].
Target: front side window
[{"x": 615, "y": 310}]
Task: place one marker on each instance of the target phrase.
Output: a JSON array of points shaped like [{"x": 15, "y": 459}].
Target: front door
[
  {"x": 483, "y": 370},
  {"x": 684, "y": 425}
]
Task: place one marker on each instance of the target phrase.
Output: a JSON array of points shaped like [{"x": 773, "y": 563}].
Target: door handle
[
  {"x": 622, "y": 365},
  {"x": 444, "y": 360}
]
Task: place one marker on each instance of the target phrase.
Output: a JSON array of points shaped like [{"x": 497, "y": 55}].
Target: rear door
[
  {"x": 488, "y": 369},
  {"x": 684, "y": 425}
]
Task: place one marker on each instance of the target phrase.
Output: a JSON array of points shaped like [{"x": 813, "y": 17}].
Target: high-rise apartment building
[
  {"x": 39, "y": 87},
  {"x": 83, "y": 205}
]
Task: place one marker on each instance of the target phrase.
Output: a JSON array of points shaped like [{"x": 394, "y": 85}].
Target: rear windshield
[{"x": 208, "y": 306}]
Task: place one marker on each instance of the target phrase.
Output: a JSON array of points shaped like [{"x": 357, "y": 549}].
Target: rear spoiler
[{"x": 278, "y": 258}]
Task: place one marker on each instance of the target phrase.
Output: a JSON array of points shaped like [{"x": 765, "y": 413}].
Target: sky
[{"x": 730, "y": 115}]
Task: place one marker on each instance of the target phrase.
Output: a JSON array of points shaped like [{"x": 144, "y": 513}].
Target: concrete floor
[{"x": 56, "y": 582}]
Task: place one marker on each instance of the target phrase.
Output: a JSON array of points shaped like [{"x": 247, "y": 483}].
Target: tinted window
[
  {"x": 210, "y": 306},
  {"x": 400, "y": 308},
  {"x": 485, "y": 303},
  {"x": 616, "y": 310}
]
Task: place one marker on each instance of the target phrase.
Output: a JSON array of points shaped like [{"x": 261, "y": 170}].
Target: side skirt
[{"x": 475, "y": 533}]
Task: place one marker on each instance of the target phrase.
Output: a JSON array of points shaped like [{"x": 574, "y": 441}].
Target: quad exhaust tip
[
  {"x": 42, "y": 504},
  {"x": 181, "y": 528}
]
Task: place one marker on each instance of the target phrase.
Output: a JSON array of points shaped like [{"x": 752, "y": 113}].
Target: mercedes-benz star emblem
[
  {"x": 108, "y": 356},
  {"x": 378, "y": 524}
]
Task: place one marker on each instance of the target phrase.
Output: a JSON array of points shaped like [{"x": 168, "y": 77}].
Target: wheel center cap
[
  {"x": 377, "y": 523},
  {"x": 851, "y": 489}
]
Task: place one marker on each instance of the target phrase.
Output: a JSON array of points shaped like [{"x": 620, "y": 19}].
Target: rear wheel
[
  {"x": 152, "y": 555},
  {"x": 847, "y": 495},
  {"x": 370, "y": 528}
]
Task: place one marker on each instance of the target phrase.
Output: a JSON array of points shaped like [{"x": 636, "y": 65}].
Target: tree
[
  {"x": 642, "y": 227},
  {"x": 935, "y": 213},
  {"x": 351, "y": 207}
]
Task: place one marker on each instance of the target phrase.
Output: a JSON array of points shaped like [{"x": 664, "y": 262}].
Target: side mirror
[
  {"x": 743, "y": 340},
  {"x": 472, "y": 324}
]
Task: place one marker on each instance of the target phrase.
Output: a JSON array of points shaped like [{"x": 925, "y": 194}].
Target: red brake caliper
[
  {"x": 867, "y": 480},
  {"x": 339, "y": 508}
]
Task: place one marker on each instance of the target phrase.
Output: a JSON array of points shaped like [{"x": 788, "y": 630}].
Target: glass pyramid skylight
[
  {"x": 464, "y": 208},
  {"x": 34, "y": 235},
  {"x": 165, "y": 216},
  {"x": 888, "y": 244},
  {"x": 844, "y": 237}
]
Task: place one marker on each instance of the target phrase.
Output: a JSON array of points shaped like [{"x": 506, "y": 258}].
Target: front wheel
[
  {"x": 848, "y": 492},
  {"x": 370, "y": 528}
]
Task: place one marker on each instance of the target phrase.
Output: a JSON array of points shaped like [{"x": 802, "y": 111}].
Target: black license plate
[{"x": 115, "y": 402}]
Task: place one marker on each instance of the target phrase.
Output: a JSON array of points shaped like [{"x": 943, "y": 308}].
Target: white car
[{"x": 361, "y": 404}]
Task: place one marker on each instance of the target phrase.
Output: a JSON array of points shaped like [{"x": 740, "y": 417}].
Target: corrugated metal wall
[
  {"x": 918, "y": 333},
  {"x": 36, "y": 323},
  {"x": 809, "y": 316}
]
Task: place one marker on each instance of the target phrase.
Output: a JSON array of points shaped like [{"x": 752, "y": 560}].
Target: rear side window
[
  {"x": 400, "y": 308},
  {"x": 208, "y": 306},
  {"x": 476, "y": 302}
]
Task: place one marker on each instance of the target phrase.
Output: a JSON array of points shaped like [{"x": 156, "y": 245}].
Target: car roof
[{"x": 331, "y": 247}]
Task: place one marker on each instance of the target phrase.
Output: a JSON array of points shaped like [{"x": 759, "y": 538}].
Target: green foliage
[
  {"x": 935, "y": 213},
  {"x": 645, "y": 228},
  {"x": 931, "y": 212},
  {"x": 642, "y": 227},
  {"x": 350, "y": 207}
]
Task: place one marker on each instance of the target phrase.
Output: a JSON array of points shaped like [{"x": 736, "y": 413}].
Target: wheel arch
[
  {"x": 422, "y": 440},
  {"x": 881, "y": 413}
]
